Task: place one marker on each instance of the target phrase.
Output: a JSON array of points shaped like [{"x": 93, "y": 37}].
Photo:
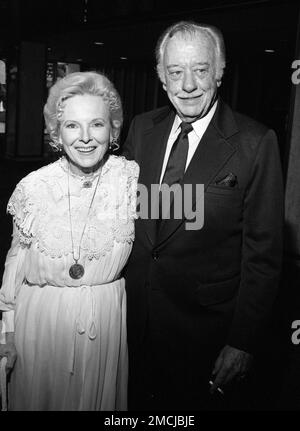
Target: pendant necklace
[{"x": 76, "y": 270}]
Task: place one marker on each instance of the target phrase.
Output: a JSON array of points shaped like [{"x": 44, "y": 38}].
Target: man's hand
[{"x": 231, "y": 364}]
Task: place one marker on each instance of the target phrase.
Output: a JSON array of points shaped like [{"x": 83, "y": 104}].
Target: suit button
[{"x": 154, "y": 255}]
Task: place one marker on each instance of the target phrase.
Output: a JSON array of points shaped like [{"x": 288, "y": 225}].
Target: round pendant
[
  {"x": 76, "y": 271},
  {"x": 87, "y": 184}
]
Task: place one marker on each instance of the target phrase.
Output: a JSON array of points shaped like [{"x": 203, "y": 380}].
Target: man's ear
[
  {"x": 163, "y": 81},
  {"x": 161, "y": 76}
]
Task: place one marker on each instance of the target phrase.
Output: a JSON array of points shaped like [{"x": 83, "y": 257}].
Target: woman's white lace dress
[{"x": 70, "y": 334}]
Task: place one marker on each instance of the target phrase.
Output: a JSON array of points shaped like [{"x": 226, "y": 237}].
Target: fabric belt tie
[{"x": 79, "y": 327}]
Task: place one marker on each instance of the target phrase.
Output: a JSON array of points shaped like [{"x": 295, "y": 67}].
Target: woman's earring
[
  {"x": 56, "y": 146},
  {"x": 113, "y": 145}
]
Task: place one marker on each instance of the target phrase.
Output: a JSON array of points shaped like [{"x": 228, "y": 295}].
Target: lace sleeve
[
  {"x": 12, "y": 279},
  {"x": 133, "y": 174},
  {"x": 21, "y": 207}
]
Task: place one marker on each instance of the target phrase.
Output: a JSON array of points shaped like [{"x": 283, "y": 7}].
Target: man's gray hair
[{"x": 192, "y": 29}]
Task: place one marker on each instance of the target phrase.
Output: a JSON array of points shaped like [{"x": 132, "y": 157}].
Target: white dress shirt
[{"x": 194, "y": 137}]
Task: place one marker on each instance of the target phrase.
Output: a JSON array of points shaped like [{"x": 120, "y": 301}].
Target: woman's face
[{"x": 85, "y": 132}]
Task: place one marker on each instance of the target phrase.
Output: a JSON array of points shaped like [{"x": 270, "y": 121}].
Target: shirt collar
[{"x": 198, "y": 125}]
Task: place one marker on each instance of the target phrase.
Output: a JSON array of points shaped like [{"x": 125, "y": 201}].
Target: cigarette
[{"x": 218, "y": 389}]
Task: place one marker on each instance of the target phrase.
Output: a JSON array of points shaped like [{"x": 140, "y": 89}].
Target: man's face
[{"x": 189, "y": 67}]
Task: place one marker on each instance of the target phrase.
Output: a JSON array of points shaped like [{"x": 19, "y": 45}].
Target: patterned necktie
[
  {"x": 176, "y": 163},
  {"x": 177, "y": 160}
]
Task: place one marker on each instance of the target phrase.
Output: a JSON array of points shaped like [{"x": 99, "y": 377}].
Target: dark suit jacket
[{"x": 217, "y": 284}]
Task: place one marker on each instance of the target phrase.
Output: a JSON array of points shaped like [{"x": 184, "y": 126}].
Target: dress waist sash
[{"x": 79, "y": 327}]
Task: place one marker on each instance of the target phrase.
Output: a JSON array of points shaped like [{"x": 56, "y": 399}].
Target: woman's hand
[{"x": 9, "y": 350}]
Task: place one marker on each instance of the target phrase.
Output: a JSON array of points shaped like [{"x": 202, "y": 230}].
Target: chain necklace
[{"x": 76, "y": 270}]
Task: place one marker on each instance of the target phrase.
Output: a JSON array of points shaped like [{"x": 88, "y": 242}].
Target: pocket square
[{"x": 230, "y": 180}]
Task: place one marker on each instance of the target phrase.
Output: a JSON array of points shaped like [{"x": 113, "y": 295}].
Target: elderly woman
[{"x": 63, "y": 299}]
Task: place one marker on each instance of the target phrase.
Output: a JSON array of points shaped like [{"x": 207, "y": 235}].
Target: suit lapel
[
  {"x": 153, "y": 150},
  {"x": 212, "y": 153}
]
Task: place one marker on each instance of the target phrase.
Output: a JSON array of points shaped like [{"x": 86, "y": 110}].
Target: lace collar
[{"x": 64, "y": 164}]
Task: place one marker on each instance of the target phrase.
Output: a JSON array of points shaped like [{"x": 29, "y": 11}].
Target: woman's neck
[{"x": 82, "y": 171}]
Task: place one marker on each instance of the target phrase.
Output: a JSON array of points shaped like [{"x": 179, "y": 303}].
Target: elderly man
[{"x": 198, "y": 298}]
